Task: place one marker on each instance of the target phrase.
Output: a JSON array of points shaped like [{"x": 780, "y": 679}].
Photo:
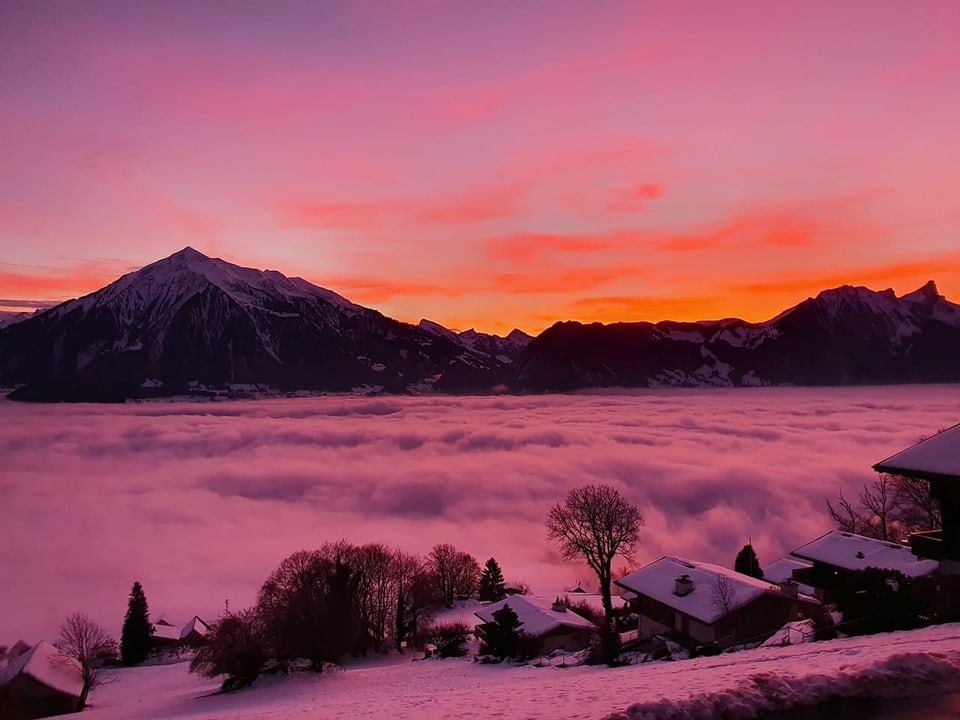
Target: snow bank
[{"x": 907, "y": 675}]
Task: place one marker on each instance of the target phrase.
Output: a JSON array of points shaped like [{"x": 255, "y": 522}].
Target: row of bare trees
[
  {"x": 321, "y": 605},
  {"x": 889, "y": 508}
]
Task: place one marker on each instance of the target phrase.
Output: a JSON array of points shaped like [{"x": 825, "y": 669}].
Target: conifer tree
[
  {"x": 491, "y": 582},
  {"x": 136, "y": 631},
  {"x": 747, "y": 562},
  {"x": 502, "y": 636}
]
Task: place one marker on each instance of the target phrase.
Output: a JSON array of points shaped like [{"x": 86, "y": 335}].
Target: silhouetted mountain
[
  {"x": 849, "y": 335},
  {"x": 190, "y": 321}
]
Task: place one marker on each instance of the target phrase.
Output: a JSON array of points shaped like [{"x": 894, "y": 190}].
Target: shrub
[
  {"x": 448, "y": 638},
  {"x": 234, "y": 649}
]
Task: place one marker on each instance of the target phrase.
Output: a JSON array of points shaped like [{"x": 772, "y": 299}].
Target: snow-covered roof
[
  {"x": 938, "y": 456},
  {"x": 45, "y": 664},
  {"x": 536, "y": 614},
  {"x": 780, "y": 570},
  {"x": 195, "y": 624},
  {"x": 166, "y": 631},
  {"x": 658, "y": 581},
  {"x": 855, "y": 552}
]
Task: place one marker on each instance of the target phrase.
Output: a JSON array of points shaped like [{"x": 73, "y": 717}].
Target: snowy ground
[{"x": 920, "y": 664}]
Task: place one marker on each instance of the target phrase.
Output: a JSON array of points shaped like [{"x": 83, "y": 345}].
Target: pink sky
[{"x": 487, "y": 164}]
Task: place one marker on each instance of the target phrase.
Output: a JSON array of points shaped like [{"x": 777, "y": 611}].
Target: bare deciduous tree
[
  {"x": 722, "y": 594},
  {"x": 376, "y": 591},
  {"x": 846, "y": 516},
  {"x": 235, "y": 649},
  {"x": 595, "y": 523},
  {"x": 917, "y": 509},
  {"x": 456, "y": 572},
  {"x": 889, "y": 508},
  {"x": 879, "y": 503},
  {"x": 87, "y": 643}
]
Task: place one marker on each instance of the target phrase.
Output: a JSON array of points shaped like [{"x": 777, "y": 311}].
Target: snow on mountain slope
[
  {"x": 10, "y": 318},
  {"x": 915, "y": 664},
  {"x": 190, "y": 320},
  {"x": 164, "y": 285},
  {"x": 847, "y": 335}
]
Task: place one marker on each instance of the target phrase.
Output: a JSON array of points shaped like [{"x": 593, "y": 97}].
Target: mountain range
[{"x": 194, "y": 324}]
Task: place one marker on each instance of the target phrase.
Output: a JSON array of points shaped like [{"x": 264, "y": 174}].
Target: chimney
[
  {"x": 789, "y": 587},
  {"x": 559, "y": 605},
  {"x": 684, "y": 586}
]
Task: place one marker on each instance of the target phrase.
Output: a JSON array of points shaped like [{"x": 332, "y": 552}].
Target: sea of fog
[{"x": 200, "y": 501}]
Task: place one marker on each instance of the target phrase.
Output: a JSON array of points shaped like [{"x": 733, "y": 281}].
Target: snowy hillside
[{"x": 918, "y": 664}]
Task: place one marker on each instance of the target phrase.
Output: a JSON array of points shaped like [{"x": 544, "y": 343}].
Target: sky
[
  {"x": 201, "y": 501},
  {"x": 490, "y": 165}
]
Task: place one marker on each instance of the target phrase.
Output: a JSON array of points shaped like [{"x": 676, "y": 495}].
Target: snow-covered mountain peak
[
  {"x": 439, "y": 330},
  {"x": 927, "y": 294},
  {"x": 848, "y": 298},
  {"x": 160, "y": 288}
]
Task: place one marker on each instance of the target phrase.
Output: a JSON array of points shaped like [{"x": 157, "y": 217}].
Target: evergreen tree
[
  {"x": 135, "y": 635},
  {"x": 491, "y": 582},
  {"x": 747, "y": 562},
  {"x": 502, "y": 636}
]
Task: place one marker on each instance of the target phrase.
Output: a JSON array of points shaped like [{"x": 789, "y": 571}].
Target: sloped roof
[
  {"x": 937, "y": 457},
  {"x": 195, "y": 624},
  {"x": 658, "y": 581},
  {"x": 855, "y": 552},
  {"x": 165, "y": 631},
  {"x": 780, "y": 570},
  {"x": 536, "y": 614},
  {"x": 45, "y": 664}
]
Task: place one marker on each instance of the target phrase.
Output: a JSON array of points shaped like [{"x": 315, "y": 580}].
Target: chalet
[
  {"x": 170, "y": 636},
  {"x": 836, "y": 555},
  {"x": 697, "y": 603},
  {"x": 780, "y": 570},
  {"x": 165, "y": 635},
  {"x": 194, "y": 633},
  {"x": 935, "y": 460},
  {"x": 43, "y": 682},
  {"x": 553, "y": 623}
]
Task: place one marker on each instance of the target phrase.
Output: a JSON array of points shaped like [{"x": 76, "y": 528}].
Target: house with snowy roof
[
  {"x": 835, "y": 556},
  {"x": 935, "y": 460},
  {"x": 779, "y": 571},
  {"x": 168, "y": 635},
  {"x": 195, "y": 632},
  {"x": 43, "y": 681},
  {"x": 696, "y": 603},
  {"x": 556, "y": 626}
]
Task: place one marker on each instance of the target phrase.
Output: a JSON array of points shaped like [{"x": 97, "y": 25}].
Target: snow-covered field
[{"x": 920, "y": 664}]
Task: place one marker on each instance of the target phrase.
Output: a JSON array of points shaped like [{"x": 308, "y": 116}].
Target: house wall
[
  {"x": 764, "y": 615},
  {"x": 949, "y": 496},
  {"x": 39, "y": 700},
  {"x": 656, "y": 618},
  {"x": 563, "y": 638},
  {"x": 648, "y": 627}
]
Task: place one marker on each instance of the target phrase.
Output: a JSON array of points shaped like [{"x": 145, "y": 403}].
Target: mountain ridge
[{"x": 189, "y": 321}]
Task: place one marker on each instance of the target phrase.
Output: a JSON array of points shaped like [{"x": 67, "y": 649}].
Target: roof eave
[{"x": 882, "y": 467}]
